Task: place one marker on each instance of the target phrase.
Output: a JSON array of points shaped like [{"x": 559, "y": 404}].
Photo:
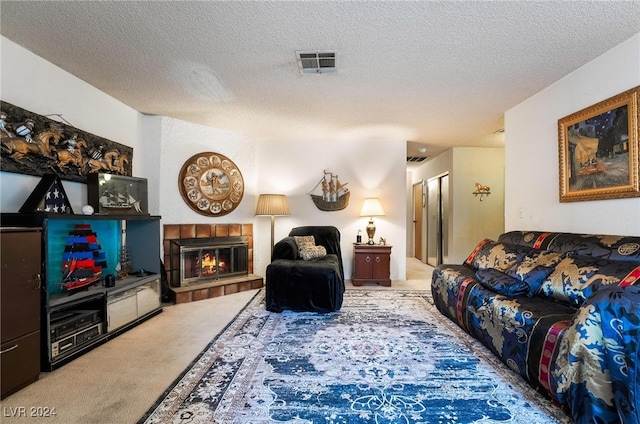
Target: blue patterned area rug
[{"x": 386, "y": 357}]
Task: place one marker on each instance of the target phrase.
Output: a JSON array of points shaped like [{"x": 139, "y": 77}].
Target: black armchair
[{"x": 315, "y": 285}]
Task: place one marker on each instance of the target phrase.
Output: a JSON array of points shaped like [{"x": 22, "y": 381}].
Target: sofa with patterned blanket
[{"x": 560, "y": 309}]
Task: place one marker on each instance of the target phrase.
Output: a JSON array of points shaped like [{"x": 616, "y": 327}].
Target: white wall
[
  {"x": 371, "y": 168},
  {"x": 179, "y": 140},
  {"x": 531, "y": 152},
  {"x": 293, "y": 169},
  {"x": 150, "y": 142},
  {"x": 475, "y": 220},
  {"x": 29, "y": 82}
]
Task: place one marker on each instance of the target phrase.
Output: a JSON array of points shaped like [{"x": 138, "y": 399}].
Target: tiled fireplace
[
  {"x": 205, "y": 259},
  {"x": 209, "y": 260}
]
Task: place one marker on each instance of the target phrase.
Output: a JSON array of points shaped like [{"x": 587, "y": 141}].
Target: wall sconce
[
  {"x": 272, "y": 205},
  {"x": 482, "y": 190},
  {"x": 371, "y": 208}
]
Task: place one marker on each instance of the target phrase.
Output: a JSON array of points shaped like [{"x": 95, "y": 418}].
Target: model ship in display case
[
  {"x": 111, "y": 194},
  {"x": 119, "y": 202}
]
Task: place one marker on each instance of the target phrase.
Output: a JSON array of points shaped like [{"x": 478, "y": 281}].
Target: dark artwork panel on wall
[{"x": 36, "y": 145}]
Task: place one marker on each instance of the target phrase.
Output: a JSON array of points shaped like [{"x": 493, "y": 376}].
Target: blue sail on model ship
[{"x": 83, "y": 259}]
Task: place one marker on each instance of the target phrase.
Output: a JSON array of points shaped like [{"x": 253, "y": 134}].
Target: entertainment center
[{"x": 73, "y": 322}]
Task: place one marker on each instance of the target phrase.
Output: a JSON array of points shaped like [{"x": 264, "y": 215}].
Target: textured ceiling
[{"x": 436, "y": 73}]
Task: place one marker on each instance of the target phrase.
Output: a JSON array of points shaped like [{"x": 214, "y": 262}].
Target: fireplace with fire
[{"x": 206, "y": 259}]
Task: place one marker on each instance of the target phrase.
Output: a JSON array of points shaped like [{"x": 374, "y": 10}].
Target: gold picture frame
[{"x": 599, "y": 152}]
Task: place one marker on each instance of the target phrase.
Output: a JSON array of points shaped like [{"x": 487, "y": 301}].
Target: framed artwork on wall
[
  {"x": 599, "y": 152},
  {"x": 211, "y": 184}
]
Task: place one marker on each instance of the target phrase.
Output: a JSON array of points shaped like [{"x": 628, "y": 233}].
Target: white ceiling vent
[{"x": 316, "y": 62}]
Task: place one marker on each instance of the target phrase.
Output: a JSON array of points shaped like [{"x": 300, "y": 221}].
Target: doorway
[{"x": 438, "y": 220}]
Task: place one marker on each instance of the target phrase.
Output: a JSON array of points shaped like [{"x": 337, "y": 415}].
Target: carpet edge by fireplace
[{"x": 197, "y": 358}]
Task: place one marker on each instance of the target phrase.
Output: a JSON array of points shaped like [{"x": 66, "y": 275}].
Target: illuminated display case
[{"x": 111, "y": 194}]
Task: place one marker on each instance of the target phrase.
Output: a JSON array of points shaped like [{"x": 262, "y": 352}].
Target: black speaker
[{"x": 110, "y": 280}]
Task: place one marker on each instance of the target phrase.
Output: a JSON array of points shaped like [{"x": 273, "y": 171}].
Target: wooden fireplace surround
[{"x": 213, "y": 288}]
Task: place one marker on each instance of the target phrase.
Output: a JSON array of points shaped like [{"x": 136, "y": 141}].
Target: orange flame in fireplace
[{"x": 209, "y": 264}]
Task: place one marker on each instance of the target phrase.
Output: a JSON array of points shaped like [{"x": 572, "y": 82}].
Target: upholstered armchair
[{"x": 314, "y": 284}]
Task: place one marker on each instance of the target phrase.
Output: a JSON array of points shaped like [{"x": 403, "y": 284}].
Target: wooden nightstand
[{"x": 372, "y": 264}]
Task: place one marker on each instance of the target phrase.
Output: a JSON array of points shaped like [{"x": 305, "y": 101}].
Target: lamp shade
[
  {"x": 372, "y": 207},
  {"x": 273, "y": 205}
]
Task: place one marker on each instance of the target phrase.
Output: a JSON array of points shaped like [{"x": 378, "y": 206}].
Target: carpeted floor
[
  {"x": 117, "y": 382},
  {"x": 387, "y": 357}
]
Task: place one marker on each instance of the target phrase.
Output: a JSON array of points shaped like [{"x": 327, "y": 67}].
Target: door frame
[{"x": 419, "y": 203}]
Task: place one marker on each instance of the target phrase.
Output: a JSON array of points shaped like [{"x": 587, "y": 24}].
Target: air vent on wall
[
  {"x": 316, "y": 62},
  {"x": 416, "y": 159}
]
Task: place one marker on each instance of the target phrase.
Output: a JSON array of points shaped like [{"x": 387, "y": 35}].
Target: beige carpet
[{"x": 119, "y": 381}]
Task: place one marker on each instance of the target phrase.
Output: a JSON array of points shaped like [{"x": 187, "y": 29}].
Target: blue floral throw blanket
[{"x": 386, "y": 357}]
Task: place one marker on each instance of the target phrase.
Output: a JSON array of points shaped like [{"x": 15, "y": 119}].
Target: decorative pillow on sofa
[
  {"x": 313, "y": 252},
  {"x": 500, "y": 256},
  {"x": 502, "y": 283},
  {"x": 308, "y": 249},
  {"x": 302, "y": 241},
  {"x": 535, "y": 268},
  {"x": 576, "y": 278}
]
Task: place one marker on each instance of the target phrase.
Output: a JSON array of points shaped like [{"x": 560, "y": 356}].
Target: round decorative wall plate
[{"x": 211, "y": 184}]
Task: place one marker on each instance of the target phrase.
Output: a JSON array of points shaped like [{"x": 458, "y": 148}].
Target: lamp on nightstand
[{"x": 371, "y": 208}]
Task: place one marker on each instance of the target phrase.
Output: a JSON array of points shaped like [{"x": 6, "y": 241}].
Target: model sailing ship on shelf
[
  {"x": 123, "y": 268},
  {"x": 119, "y": 202},
  {"x": 83, "y": 259},
  {"x": 335, "y": 195},
  {"x": 111, "y": 194}
]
